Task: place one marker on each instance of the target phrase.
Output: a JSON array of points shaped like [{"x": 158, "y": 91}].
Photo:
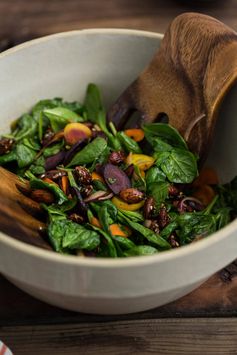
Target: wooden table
[{"x": 202, "y": 322}]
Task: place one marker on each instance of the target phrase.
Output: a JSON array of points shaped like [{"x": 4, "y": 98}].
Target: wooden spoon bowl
[{"x": 187, "y": 79}]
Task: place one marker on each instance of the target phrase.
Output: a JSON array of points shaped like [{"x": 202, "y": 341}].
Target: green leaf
[
  {"x": 180, "y": 166},
  {"x": 59, "y": 117},
  {"x": 159, "y": 191},
  {"x": 38, "y": 166},
  {"x": 26, "y": 127},
  {"x": 91, "y": 152},
  {"x": 8, "y": 158},
  {"x": 65, "y": 234},
  {"x": 109, "y": 249},
  {"x": 132, "y": 215},
  {"x": 25, "y": 155},
  {"x": 166, "y": 133},
  {"x": 128, "y": 143},
  {"x": 154, "y": 175},
  {"x": 140, "y": 250},
  {"x": 152, "y": 237},
  {"x": 78, "y": 237},
  {"x": 93, "y": 103},
  {"x": 53, "y": 149}
]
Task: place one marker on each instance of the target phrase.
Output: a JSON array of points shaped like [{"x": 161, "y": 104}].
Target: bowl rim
[{"x": 108, "y": 262}]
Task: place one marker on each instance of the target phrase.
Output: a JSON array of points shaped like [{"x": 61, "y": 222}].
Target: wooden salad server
[
  {"x": 187, "y": 80},
  {"x": 17, "y": 211}
]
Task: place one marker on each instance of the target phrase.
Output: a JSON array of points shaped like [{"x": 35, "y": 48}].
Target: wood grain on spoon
[
  {"x": 187, "y": 79},
  {"x": 16, "y": 211}
]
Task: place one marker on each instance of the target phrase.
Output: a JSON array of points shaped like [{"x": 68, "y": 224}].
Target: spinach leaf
[
  {"x": 26, "y": 127},
  {"x": 59, "y": 117},
  {"x": 52, "y": 150},
  {"x": 78, "y": 237},
  {"x": 124, "y": 243},
  {"x": 159, "y": 191},
  {"x": 25, "y": 155},
  {"x": 31, "y": 143},
  {"x": 128, "y": 143},
  {"x": 169, "y": 229},
  {"x": 38, "y": 166},
  {"x": 109, "y": 248},
  {"x": 91, "y": 152},
  {"x": 132, "y": 215},
  {"x": 154, "y": 175},
  {"x": 8, "y": 158},
  {"x": 166, "y": 133},
  {"x": 65, "y": 234},
  {"x": 179, "y": 165},
  {"x": 192, "y": 225},
  {"x": 140, "y": 250},
  {"x": 152, "y": 237},
  {"x": 139, "y": 181}
]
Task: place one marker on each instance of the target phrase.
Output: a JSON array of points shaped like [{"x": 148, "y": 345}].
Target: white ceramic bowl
[{"x": 62, "y": 65}]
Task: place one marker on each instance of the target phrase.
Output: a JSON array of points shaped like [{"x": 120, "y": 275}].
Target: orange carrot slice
[{"x": 136, "y": 134}]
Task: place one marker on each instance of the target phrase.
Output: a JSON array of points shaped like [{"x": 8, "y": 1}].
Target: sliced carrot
[
  {"x": 49, "y": 181},
  {"x": 136, "y": 134},
  {"x": 96, "y": 176},
  {"x": 95, "y": 222},
  {"x": 65, "y": 184},
  {"x": 207, "y": 176},
  {"x": 122, "y": 231},
  {"x": 205, "y": 194}
]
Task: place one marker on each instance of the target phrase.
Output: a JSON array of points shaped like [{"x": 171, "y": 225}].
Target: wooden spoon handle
[
  {"x": 16, "y": 212},
  {"x": 187, "y": 79}
]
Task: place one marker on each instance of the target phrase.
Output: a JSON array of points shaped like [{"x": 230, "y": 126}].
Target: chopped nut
[
  {"x": 173, "y": 242},
  {"x": 131, "y": 195},
  {"x": 155, "y": 226},
  {"x": 86, "y": 190},
  {"x": 163, "y": 217},
  {"x": 117, "y": 158},
  {"x": 5, "y": 145},
  {"x": 83, "y": 175},
  {"x": 149, "y": 207}
]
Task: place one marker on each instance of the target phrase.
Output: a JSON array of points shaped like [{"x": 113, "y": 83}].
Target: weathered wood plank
[
  {"x": 164, "y": 336},
  {"x": 23, "y": 18}
]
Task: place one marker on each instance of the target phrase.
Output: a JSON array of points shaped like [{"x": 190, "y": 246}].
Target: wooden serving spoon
[
  {"x": 17, "y": 211},
  {"x": 187, "y": 80}
]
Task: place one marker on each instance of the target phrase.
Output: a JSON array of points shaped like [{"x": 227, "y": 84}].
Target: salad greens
[{"x": 103, "y": 194}]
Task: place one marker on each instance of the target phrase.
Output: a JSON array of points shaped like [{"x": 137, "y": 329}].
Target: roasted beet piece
[
  {"x": 54, "y": 160},
  {"x": 115, "y": 178}
]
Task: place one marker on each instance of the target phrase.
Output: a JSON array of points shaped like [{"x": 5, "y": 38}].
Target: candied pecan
[
  {"x": 155, "y": 226},
  {"x": 6, "y": 145},
  {"x": 83, "y": 175},
  {"x": 149, "y": 207},
  {"x": 131, "y": 195},
  {"x": 173, "y": 191},
  {"x": 86, "y": 190},
  {"x": 173, "y": 242},
  {"x": 163, "y": 217},
  {"x": 47, "y": 137},
  {"x": 117, "y": 158}
]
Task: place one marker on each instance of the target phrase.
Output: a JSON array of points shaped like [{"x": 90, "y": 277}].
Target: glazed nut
[
  {"x": 5, "y": 145},
  {"x": 42, "y": 196},
  {"x": 131, "y": 195},
  {"x": 86, "y": 190},
  {"x": 173, "y": 191},
  {"x": 155, "y": 226},
  {"x": 149, "y": 207},
  {"x": 117, "y": 158},
  {"x": 83, "y": 175}
]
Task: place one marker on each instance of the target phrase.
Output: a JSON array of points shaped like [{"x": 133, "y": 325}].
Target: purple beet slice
[{"x": 115, "y": 178}]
